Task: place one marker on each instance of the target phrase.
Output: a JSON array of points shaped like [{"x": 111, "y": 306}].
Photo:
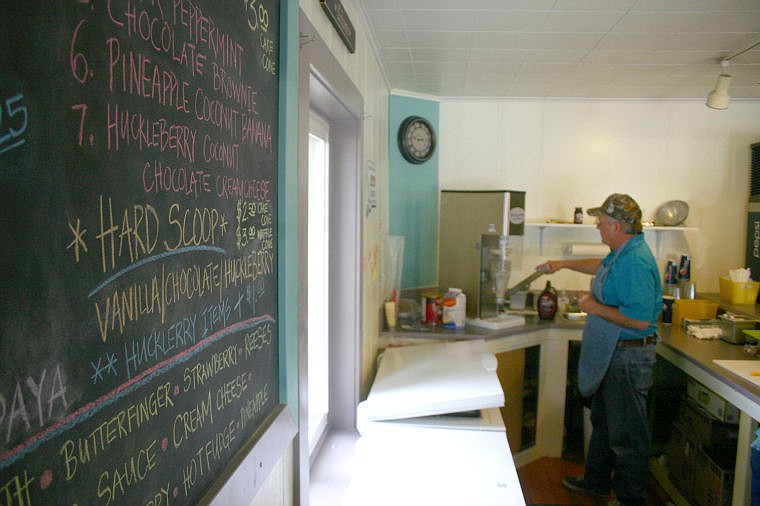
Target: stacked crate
[{"x": 702, "y": 449}]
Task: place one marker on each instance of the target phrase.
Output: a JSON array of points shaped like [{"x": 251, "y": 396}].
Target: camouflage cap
[{"x": 620, "y": 207}]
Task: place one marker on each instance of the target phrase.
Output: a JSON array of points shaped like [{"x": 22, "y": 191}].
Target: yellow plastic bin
[
  {"x": 694, "y": 309},
  {"x": 738, "y": 292}
]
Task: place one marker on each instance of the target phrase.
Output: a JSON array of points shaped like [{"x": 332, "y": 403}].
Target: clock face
[{"x": 416, "y": 139}]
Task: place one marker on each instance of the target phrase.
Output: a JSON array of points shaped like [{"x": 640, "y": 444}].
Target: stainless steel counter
[
  {"x": 676, "y": 346},
  {"x": 437, "y": 332},
  {"x": 694, "y": 356}
]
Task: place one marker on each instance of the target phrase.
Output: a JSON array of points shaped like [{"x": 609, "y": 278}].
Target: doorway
[
  {"x": 326, "y": 90},
  {"x": 318, "y": 291}
]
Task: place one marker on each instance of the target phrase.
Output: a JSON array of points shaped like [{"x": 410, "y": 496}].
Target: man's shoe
[{"x": 579, "y": 485}]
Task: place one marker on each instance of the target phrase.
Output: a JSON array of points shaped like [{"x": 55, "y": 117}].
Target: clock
[{"x": 416, "y": 139}]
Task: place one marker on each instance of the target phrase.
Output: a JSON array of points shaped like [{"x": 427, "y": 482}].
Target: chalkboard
[{"x": 138, "y": 162}]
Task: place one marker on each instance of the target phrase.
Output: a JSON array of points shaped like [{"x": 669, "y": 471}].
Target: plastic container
[
  {"x": 738, "y": 292},
  {"x": 693, "y": 309},
  {"x": 454, "y": 307}
]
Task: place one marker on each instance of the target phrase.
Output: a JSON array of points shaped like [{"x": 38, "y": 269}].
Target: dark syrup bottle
[{"x": 547, "y": 302}]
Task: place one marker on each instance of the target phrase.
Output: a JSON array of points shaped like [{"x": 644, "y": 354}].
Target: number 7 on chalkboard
[{"x": 83, "y": 107}]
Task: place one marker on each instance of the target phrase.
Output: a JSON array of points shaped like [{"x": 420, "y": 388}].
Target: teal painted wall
[
  {"x": 287, "y": 208},
  {"x": 413, "y": 196}
]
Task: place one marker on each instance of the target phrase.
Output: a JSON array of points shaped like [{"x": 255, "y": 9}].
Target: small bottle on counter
[{"x": 547, "y": 302}]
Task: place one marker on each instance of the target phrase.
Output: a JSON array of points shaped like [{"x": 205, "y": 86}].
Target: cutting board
[{"x": 743, "y": 368}]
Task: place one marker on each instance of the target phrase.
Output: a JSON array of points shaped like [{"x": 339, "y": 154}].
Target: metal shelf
[{"x": 656, "y": 229}]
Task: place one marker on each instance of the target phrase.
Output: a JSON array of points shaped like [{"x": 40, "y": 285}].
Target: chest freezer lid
[{"x": 433, "y": 379}]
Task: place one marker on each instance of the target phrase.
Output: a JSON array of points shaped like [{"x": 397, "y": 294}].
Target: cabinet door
[{"x": 511, "y": 372}]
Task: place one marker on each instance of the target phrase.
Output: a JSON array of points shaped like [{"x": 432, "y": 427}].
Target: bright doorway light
[{"x": 318, "y": 269}]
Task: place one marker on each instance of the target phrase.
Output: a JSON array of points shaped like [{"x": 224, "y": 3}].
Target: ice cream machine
[{"x": 480, "y": 242}]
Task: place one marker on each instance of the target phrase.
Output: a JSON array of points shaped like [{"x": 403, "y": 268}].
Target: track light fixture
[{"x": 719, "y": 97}]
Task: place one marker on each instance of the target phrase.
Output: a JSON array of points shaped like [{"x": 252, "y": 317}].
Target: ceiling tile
[{"x": 566, "y": 48}]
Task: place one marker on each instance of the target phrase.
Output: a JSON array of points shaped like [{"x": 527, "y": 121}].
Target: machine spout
[{"x": 525, "y": 283}]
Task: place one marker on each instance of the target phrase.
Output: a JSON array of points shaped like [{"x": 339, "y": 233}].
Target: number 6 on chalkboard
[{"x": 77, "y": 60}]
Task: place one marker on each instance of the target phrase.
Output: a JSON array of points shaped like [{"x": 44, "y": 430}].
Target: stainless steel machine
[{"x": 480, "y": 241}]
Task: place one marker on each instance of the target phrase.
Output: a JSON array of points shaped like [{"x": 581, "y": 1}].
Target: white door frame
[{"x": 325, "y": 87}]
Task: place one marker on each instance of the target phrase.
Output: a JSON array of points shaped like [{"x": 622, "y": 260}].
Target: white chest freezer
[{"x": 431, "y": 431}]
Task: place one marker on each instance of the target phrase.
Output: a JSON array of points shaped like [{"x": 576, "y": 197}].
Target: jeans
[{"x": 618, "y": 452}]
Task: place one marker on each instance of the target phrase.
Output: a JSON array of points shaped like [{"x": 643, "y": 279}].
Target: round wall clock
[{"x": 416, "y": 139}]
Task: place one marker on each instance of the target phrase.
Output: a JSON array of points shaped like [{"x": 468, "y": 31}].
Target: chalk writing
[
  {"x": 141, "y": 333},
  {"x": 202, "y": 372},
  {"x": 257, "y": 339},
  {"x": 207, "y": 455},
  {"x": 254, "y": 405},
  {"x": 195, "y": 227},
  {"x": 15, "y": 126},
  {"x": 190, "y": 421},
  {"x": 158, "y": 177},
  {"x": 15, "y": 491},
  {"x": 126, "y": 128},
  {"x": 151, "y": 348},
  {"x": 161, "y": 497},
  {"x": 256, "y": 132},
  {"x": 37, "y": 405},
  {"x": 230, "y": 391},
  {"x": 257, "y": 15},
  {"x": 82, "y": 450},
  {"x": 77, "y": 61},
  {"x": 135, "y": 74},
  {"x": 77, "y": 242},
  {"x": 104, "y": 367},
  {"x": 113, "y": 484}
]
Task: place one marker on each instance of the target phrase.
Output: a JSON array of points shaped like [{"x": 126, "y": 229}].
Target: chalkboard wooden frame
[{"x": 139, "y": 185}]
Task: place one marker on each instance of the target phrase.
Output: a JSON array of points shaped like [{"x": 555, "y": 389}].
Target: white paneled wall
[{"x": 574, "y": 153}]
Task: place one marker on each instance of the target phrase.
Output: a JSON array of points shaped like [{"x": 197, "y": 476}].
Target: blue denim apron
[{"x": 600, "y": 338}]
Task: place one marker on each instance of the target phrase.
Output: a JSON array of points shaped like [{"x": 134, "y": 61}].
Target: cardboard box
[
  {"x": 682, "y": 452},
  {"x": 704, "y": 427},
  {"x": 714, "y": 476},
  {"x": 711, "y": 402}
]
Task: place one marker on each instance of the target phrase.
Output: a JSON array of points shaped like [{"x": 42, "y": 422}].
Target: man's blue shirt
[{"x": 633, "y": 284}]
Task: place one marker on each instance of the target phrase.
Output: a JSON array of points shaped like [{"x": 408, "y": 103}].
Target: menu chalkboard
[{"x": 138, "y": 163}]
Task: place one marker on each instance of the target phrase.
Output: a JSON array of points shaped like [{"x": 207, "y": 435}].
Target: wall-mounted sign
[
  {"x": 339, "y": 19},
  {"x": 371, "y": 196}
]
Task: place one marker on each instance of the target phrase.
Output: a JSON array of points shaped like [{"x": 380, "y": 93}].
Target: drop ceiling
[{"x": 597, "y": 49}]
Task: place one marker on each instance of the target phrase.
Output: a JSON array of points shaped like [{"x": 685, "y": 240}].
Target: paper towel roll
[{"x": 587, "y": 250}]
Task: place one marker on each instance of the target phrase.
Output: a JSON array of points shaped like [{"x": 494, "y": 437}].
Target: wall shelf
[{"x": 658, "y": 230}]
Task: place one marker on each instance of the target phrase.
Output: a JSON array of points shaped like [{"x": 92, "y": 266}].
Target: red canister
[{"x": 431, "y": 308}]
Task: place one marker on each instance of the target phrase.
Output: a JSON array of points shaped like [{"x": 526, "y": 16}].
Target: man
[{"x": 617, "y": 352}]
